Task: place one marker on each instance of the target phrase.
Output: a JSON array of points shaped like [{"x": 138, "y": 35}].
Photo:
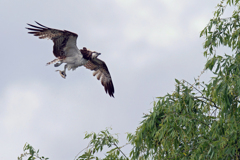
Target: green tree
[
  {"x": 200, "y": 120},
  {"x": 31, "y": 153},
  {"x": 196, "y": 121}
]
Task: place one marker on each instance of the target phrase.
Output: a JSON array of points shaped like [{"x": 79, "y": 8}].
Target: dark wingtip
[
  {"x": 41, "y": 24},
  {"x": 110, "y": 89},
  {"x": 111, "y": 94}
]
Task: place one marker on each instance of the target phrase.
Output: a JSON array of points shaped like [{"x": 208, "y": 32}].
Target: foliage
[
  {"x": 196, "y": 121},
  {"x": 199, "y": 121},
  {"x": 30, "y": 151},
  {"x": 98, "y": 142}
]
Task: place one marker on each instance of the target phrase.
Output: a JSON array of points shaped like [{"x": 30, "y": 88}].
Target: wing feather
[
  {"x": 59, "y": 37},
  {"x": 101, "y": 72},
  {"x": 99, "y": 75}
]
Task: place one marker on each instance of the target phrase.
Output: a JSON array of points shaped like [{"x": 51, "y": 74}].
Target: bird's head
[{"x": 95, "y": 54}]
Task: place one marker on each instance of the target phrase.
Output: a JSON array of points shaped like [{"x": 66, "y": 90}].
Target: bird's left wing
[
  {"x": 61, "y": 38},
  {"x": 102, "y": 74}
]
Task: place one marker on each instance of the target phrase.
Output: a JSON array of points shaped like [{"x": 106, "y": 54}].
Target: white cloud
[
  {"x": 199, "y": 23},
  {"x": 163, "y": 36},
  {"x": 175, "y": 6},
  {"x": 126, "y": 3},
  {"x": 144, "y": 21},
  {"x": 21, "y": 104}
]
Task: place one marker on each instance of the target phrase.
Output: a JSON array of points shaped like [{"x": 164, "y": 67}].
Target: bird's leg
[
  {"x": 53, "y": 61},
  {"x": 58, "y": 64},
  {"x": 63, "y": 73}
]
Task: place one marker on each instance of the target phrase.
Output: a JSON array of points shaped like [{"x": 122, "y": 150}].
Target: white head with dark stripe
[
  {"x": 88, "y": 54},
  {"x": 95, "y": 54}
]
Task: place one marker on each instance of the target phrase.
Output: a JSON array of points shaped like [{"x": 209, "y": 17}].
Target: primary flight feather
[{"x": 66, "y": 51}]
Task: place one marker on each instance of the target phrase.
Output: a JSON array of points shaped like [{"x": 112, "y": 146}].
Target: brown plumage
[
  {"x": 86, "y": 53},
  {"x": 100, "y": 70},
  {"x": 59, "y": 37}
]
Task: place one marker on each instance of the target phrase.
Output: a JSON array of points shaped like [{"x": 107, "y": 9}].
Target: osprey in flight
[{"x": 66, "y": 51}]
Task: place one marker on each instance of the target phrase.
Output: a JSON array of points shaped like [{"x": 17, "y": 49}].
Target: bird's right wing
[
  {"x": 102, "y": 74},
  {"x": 60, "y": 38}
]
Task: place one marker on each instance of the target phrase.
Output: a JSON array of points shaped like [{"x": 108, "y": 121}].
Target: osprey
[{"x": 66, "y": 51}]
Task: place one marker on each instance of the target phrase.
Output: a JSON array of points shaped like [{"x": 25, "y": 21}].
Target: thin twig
[
  {"x": 202, "y": 95},
  {"x": 214, "y": 111},
  {"x": 81, "y": 151},
  {"x": 125, "y": 145},
  {"x": 120, "y": 150},
  {"x": 208, "y": 100},
  {"x": 192, "y": 86}
]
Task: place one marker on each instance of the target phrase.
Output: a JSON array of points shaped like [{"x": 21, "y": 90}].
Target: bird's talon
[{"x": 62, "y": 73}]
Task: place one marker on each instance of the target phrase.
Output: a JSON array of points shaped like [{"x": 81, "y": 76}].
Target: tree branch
[
  {"x": 120, "y": 150},
  {"x": 214, "y": 104},
  {"x": 202, "y": 95},
  {"x": 192, "y": 86},
  {"x": 81, "y": 151}
]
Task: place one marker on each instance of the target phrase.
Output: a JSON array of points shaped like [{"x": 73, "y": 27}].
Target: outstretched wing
[
  {"x": 102, "y": 74},
  {"x": 62, "y": 39}
]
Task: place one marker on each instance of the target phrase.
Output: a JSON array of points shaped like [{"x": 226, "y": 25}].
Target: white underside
[{"x": 74, "y": 57}]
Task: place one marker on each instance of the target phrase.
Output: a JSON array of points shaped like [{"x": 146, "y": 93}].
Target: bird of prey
[{"x": 66, "y": 51}]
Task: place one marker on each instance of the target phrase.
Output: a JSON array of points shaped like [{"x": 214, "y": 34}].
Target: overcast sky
[{"x": 145, "y": 44}]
